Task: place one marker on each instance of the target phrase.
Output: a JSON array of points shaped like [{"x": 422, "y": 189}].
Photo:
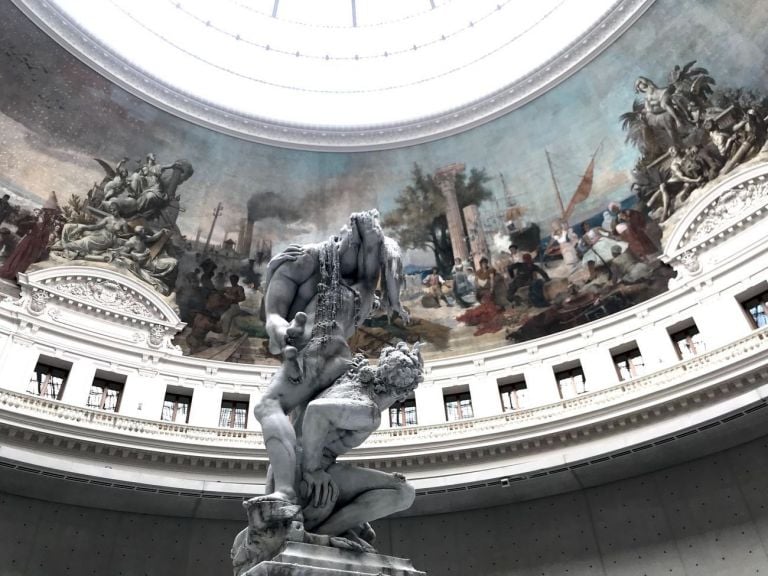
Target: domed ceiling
[
  {"x": 336, "y": 74},
  {"x": 576, "y": 154}
]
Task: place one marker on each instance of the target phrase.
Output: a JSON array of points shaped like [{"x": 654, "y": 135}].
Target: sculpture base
[{"x": 310, "y": 560}]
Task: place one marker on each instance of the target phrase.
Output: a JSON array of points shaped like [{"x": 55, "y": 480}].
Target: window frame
[
  {"x": 634, "y": 369},
  {"x": 459, "y": 398},
  {"x": 510, "y": 390},
  {"x": 177, "y": 396},
  {"x": 105, "y": 384},
  {"x": 759, "y": 301},
  {"x": 565, "y": 377},
  {"x": 402, "y": 411},
  {"x": 48, "y": 370},
  {"x": 232, "y": 420},
  {"x": 686, "y": 335}
]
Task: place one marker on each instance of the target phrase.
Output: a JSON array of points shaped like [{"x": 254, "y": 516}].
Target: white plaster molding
[
  {"x": 312, "y": 137},
  {"x": 102, "y": 289},
  {"x": 703, "y": 377},
  {"x": 101, "y": 301},
  {"x": 736, "y": 203}
]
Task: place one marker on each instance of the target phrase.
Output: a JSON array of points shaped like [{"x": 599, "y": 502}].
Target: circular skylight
[{"x": 339, "y": 65}]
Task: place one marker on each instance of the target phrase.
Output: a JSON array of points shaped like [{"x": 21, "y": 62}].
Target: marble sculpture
[{"x": 323, "y": 401}]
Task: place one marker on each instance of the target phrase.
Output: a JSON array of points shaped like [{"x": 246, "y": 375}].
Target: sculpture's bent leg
[
  {"x": 280, "y": 442},
  {"x": 364, "y": 496},
  {"x": 279, "y": 435}
]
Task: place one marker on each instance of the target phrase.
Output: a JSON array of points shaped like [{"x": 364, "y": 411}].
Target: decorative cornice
[
  {"x": 736, "y": 203},
  {"x": 96, "y": 302},
  {"x": 740, "y": 365},
  {"x": 97, "y": 291},
  {"x": 313, "y": 137}
]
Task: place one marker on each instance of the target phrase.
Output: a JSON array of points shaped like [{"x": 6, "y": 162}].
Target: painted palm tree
[
  {"x": 639, "y": 133},
  {"x": 692, "y": 87}
]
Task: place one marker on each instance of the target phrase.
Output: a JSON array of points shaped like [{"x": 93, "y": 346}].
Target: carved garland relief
[
  {"x": 728, "y": 208},
  {"x": 107, "y": 294}
]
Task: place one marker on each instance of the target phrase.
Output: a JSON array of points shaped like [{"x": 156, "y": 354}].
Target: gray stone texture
[
  {"x": 309, "y": 560},
  {"x": 708, "y": 517}
]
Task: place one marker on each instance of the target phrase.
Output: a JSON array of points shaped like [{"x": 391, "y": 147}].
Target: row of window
[
  {"x": 232, "y": 413},
  {"x": 48, "y": 381},
  {"x": 629, "y": 362},
  {"x": 570, "y": 381}
]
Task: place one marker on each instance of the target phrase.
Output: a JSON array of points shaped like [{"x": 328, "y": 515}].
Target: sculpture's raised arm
[{"x": 316, "y": 297}]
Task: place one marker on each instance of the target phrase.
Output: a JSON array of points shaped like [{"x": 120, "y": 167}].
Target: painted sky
[{"x": 56, "y": 115}]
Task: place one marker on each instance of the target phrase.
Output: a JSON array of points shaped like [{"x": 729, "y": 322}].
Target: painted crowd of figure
[
  {"x": 584, "y": 272},
  {"x": 219, "y": 296},
  {"x": 128, "y": 220},
  {"x": 26, "y": 236},
  {"x": 689, "y": 133}
]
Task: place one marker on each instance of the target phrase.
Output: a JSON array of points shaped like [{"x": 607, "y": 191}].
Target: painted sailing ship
[
  {"x": 527, "y": 235},
  {"x": 582, "y": 192}
]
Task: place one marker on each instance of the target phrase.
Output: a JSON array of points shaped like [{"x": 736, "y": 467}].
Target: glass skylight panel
[
  {"x": 373, "y": 12},
  {"x": 308, "y": 65},
  {"x": 226, "y": 7},
  {"x": 334, "y": 13}
]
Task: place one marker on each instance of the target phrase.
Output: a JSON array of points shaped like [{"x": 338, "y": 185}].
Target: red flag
[{"x": 583, "y": 190}]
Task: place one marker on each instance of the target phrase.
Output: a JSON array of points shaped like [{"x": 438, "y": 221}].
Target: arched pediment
[
  {"x": 730, "y": 207},
  {"x": 100, "y": 300}
]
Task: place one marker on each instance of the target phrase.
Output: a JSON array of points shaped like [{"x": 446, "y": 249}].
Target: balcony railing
[{"x": 32, "y": 412}]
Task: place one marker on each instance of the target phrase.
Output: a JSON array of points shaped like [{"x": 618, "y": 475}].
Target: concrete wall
[
  {"x": 704, "y": 518},
  {"x": 707, "y": 517}
]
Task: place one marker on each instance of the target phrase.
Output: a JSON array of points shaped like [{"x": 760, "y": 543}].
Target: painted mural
[{"x": 542, "y": 220}]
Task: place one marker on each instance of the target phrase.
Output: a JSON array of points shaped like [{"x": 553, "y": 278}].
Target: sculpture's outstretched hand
[
  {"x": 294, "y": 332},
  {"x": 291, "y": 366},
  {"x": 319, "y": 488}
]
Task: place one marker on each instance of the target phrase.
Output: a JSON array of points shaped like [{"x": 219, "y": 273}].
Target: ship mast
[
  {"x": 504, "y": 186},
  {"x": 554, "y": 182}
]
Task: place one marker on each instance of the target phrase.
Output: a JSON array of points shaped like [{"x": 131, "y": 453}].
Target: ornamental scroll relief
[
  {"x": 107, "y": 295},
  {"x": 728, "y": 209},
  {"x": 97, "y": 307}
]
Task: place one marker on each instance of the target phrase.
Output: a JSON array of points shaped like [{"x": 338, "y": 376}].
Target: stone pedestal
[{"x": 310, "y": 560}]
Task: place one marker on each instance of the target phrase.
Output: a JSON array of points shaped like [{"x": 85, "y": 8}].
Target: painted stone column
[
  {"x": 477, "y": 240},
  {"x": 445, "y": 178}
]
